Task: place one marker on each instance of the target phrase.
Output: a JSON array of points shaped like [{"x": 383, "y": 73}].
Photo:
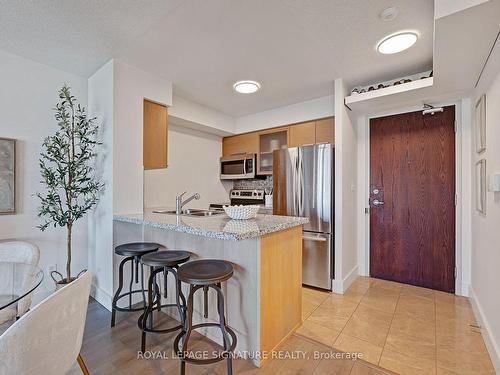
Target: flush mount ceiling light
[
  {"x": 397, "y": 42},
  {"x": 246, "y": 87}
]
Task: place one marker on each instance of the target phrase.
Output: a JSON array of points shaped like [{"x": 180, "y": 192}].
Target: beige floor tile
[
  {"x": 379, "y": 300},
  {"x": 325, "y": 317},
  {"x": 386, "y": 285},
  {"x": 317, "y": 332},
  {"x": 460, "y": 340},
  {"x": 420, "y": 315},
  {"x": 314, "y": 295},
  {"x": 370, "y": 352},
  {"x": 307, "y": 308},
  {"x": 339, "y": 305},
  {"x": 418, "y": 348},
  {"x": 369, "y": 324},
  {"x": 464, "y": 362},
  {"x": 366, "y": 330},
  {"x": 411, "y": 290},
  {"x": 413, "y": 326},
  {"x": 405, "y": 365}
]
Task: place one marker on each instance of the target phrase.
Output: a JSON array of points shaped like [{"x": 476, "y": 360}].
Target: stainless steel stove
[{"x": 244, "y": 197}]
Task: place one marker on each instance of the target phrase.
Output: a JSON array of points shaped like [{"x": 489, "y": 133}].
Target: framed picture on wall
[
  {"x": 480, "y": 124},
  {"x": 481, "y": 186},
  {"x": 7, "y": 176}
]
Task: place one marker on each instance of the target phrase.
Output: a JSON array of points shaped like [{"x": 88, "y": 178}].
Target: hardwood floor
[{"x": 397, "y": 327}]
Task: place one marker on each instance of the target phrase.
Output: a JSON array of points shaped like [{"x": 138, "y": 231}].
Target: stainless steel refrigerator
[{"x": 303, "y": 186}]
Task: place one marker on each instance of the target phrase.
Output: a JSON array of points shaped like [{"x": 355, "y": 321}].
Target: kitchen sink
[{"x": 191, "y": 212}]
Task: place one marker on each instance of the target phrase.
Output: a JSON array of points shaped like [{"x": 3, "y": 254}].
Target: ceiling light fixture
[
  {"x": 246, "y": 87},
  {"x": 397, "y": 42}
]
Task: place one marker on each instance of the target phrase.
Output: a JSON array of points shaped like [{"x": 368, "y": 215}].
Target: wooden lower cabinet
[{"x": 280, "y": 287}]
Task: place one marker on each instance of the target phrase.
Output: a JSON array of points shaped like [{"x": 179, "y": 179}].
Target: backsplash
[{"x": 254, "y": 183}]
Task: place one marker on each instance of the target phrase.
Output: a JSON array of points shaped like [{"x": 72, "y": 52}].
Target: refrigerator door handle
[{"x": 318, "y": 238}]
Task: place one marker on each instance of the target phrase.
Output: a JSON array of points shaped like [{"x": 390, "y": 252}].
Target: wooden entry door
[{"x": 412, "y": 199}]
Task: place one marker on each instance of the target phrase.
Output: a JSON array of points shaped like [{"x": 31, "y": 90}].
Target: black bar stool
[
  {"x": 162, "y": 262},
  {"x": 133, "y": 253},
  {"x": 205, "y": 274}
]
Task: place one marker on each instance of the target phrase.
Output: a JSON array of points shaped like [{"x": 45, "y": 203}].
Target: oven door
[{"x": 238, "y": 166}]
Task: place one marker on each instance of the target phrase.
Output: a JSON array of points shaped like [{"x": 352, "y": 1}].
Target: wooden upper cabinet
[
  {"x": 239, "y": 144},
  {"x": 302, "y": 134},
  {"x": 155, "y": 135},
  {"x": 325, "y": 130}
]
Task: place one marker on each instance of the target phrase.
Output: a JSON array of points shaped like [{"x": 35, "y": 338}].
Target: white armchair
[
  {"x": 48, "y": 339},
  {"x": 17, "y": 252}
]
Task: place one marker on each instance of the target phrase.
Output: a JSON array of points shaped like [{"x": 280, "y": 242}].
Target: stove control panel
[{"x": 255, "y": 194}]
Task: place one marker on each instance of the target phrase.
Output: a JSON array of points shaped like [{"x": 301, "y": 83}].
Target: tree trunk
[{"x": 68, "y": 264}]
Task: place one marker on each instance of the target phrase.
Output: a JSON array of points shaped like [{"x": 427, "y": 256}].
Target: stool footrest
[
  {"x": 128, "y": 309},
  {"x": 207, "y": 361},
  {"x": 153, "y": 330}
]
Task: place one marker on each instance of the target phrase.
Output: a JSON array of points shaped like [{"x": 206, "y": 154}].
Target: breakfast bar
[{"x": 264, "y": 296}]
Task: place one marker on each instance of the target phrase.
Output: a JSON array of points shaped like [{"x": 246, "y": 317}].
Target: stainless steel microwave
[{"x": 238, "y": 166}]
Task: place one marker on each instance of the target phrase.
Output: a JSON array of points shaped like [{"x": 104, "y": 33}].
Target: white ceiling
[{"x": 295, "y": 48}]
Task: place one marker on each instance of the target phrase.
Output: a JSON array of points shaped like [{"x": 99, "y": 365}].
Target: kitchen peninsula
[{"x": 264, "y": 296}]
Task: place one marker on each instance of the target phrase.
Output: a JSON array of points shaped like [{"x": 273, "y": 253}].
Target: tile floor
[{"x": 402, "y": 328}]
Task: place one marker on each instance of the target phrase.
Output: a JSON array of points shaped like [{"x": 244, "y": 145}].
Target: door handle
[
  {"x": 314, "y": 238},
  {"x": 376, "y": 202}
]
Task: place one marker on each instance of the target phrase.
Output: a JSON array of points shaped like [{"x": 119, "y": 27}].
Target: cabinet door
[
  {"x": 325, "y": 129},
  {"x": 269, "y": 141},
  {"x": 302, "y": 134},
  {"x": 155, "y": 133},
  {"x": 239, "y": 144}
]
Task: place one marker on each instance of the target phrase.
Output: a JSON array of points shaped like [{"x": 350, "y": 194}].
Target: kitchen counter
[
  {"x": 264, "y": 295},
  {"x": 217, "y": 226}
]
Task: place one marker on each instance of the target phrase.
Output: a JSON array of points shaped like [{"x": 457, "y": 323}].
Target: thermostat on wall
[{"x": 495, "y": 182}]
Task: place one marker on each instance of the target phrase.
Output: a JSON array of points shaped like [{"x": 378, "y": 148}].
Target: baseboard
[
  {"x": 340, "y": 286},
  {"x": 489, "y": 339},
  {"x": 101, "y": 296},
  {"x": 465, "y": 290}
]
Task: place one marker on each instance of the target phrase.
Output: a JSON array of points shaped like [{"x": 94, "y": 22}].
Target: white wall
[
  {"x": 193, "y": 166},
  {"x": 28, "y": 94},
  {"x": 131, "y": 87},
  {"x": 304, "y": 111},
  {"x": 190, "y": 114},
  {"x": 444, "y": 8},
  {"x": 116, "y": 95},
  {"x": 485, "y": 258},
  {"x": 100, "y": 236},
  {"x": 346, "y": 264}
]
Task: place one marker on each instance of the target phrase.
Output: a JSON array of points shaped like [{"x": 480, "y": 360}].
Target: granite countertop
[{"x": 218, "y": 226}]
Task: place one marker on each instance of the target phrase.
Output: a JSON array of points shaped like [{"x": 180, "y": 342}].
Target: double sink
[{"x": 190, "y": 212}]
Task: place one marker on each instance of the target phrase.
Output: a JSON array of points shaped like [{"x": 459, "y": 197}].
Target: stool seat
[
  {"x": 167, "y": 258},
  {"x": 205, "y": 271},
  {"x": 136, "y": 248}
]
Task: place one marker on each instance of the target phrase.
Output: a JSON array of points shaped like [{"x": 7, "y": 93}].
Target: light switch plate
[{"x": 495, "y": 182}]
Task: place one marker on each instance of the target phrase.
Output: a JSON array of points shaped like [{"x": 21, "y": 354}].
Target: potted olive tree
[{"x": 66, "y": 166}]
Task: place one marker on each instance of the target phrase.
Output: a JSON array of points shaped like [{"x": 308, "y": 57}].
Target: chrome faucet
[{"x": 179, "y": 203}]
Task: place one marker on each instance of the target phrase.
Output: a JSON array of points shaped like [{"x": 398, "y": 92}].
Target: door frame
[{"x": 462, "y": 189}]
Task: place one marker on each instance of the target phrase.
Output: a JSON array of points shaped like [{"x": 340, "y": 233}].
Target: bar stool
[
  {"x": 162, "y": 262},
  {"x": 133, "y": 253},
  {"x": 205, "y": 274}
]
